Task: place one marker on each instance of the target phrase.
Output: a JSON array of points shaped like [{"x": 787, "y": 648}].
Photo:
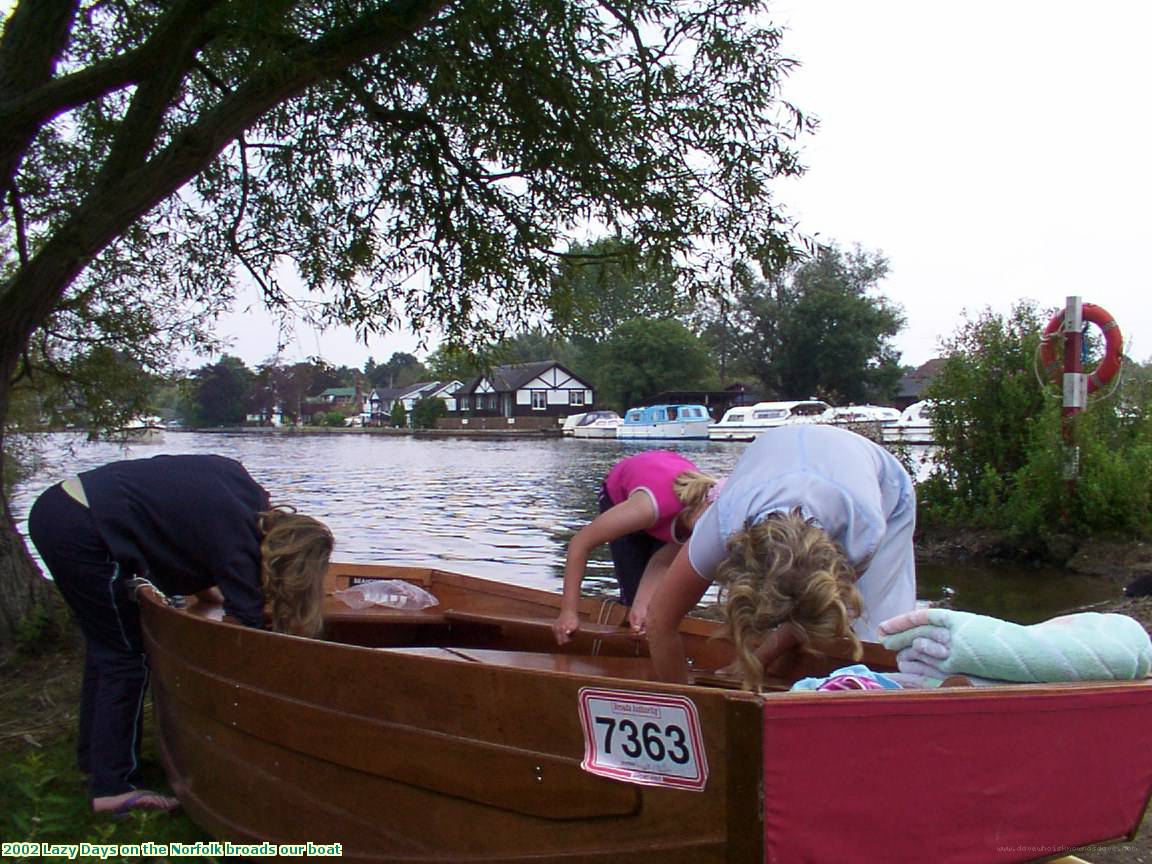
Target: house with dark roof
[
  {"x": 523, "y": 395},
  {"x": 348, "y": 401},
  {"x": 913, "y": 383},
  {"x": 378, "y": 407}
]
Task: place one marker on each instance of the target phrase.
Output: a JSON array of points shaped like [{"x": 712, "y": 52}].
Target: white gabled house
[
  {"x": 378, "y": 407},
  {"x": 531, "y": 394}
]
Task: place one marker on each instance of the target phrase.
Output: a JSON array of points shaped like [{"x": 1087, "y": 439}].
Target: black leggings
[
  {"x": 115, "y": 667},
  {"x": 630, "y": 555}
]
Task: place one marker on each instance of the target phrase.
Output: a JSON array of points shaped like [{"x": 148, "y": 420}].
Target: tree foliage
[
  {"x": 452, "y": 362},
  {"x": 644, "y": 357},
  {"x": 399, "y": 415},
  {"x": 1004, "y": 456},
  {"x": 400, "y": 370},
  {"x": 221, "y": 393},
  {"x": 413, "y": 160},
  {"x": 987, "y": 397},
  {"x": 283, "y": 388},
  {"x": 151, "y": 148},
  {"x": 600, "y": 286},
  {"x": 820, "y": 328},
  {"x": 716, "y": 319},
  {"x": 426, "y": 412}
]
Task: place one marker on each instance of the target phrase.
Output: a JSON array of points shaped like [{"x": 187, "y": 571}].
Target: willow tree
[{"x": 415, "y": 162}]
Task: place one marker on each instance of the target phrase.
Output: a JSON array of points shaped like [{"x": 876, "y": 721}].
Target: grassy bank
[{"x": 42, "y": 794}]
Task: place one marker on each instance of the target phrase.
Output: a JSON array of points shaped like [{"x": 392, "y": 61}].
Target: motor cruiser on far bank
[
  {"x": 745, "y": 422},
  {"x": 681, "y": 422},
  {"x": 596, "y": 424}
]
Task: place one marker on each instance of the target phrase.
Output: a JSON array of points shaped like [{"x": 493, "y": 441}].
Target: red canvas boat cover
[{"x": 960, "y": 775}]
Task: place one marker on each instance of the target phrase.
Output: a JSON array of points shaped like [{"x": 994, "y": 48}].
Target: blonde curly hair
[
  {"x": 785, "y": 569},
  {"x": 294, "y": 554}
]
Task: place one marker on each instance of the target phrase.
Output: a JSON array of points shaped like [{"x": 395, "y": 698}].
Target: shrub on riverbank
[{"x": 1003, "y": 461}]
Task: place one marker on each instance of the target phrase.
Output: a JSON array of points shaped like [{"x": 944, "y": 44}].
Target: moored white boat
[
  {"x": 913, "y": 427},
  {"x": 665, "y": 422},
  {"x": 597, "y": 424},
  {"x": 746, "y": 422},
  {"x": 568, "y": 427},
  {"x": 878, "y": 416},
  {"x": 138, "y": 430}
]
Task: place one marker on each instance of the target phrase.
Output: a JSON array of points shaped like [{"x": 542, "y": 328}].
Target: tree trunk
[{"x": 23, "y": 590}]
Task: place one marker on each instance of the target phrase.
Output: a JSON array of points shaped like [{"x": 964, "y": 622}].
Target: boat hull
[
  {"x": 664, "y": 431},
  {"x": 457, "y": 734},
  {"x": 420, "y": 755},
  {"x": 595, "y": 432},
  {"x": 908, "y": 434},
  {"x": 718, "y": 432}
]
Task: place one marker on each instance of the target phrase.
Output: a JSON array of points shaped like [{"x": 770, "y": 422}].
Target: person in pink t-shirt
[{"x": 648, "y": 505}]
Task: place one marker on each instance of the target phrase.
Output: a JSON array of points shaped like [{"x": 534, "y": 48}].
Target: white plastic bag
[{"x": 393, "y": 593}]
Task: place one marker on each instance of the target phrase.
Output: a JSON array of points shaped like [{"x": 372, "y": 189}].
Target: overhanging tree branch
[{"x": 121, "y": 199}]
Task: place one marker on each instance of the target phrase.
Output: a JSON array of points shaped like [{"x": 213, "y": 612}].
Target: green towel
[{"x": 1086, "y": 646}]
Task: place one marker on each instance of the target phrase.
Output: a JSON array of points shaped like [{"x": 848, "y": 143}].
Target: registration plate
[{"x": 644, "y": 738}]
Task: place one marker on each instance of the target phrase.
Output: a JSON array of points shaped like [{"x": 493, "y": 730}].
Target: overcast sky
[{"x": 993, "y": 151}]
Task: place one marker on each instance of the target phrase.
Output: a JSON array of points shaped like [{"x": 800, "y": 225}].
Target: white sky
[{"x": 993, "y": 151}]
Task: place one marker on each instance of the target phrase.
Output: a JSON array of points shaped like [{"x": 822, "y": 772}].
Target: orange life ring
[{"x": 1113, "y": 346}]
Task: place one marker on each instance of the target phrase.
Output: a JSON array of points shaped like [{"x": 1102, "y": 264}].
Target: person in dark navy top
[{"x": 196, "y": 524}]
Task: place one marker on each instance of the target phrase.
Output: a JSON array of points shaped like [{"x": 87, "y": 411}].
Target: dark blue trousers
[
  {"x": 630, "y": 555},
  {"x": 115, "y": 667}
]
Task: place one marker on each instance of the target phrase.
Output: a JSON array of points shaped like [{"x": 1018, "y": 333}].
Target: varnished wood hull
[{"x": 459, "y": 739}]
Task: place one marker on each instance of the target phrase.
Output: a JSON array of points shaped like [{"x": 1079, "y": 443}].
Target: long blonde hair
[
  {"x": 785, "y": 569},
  {"x": 692, "y": 489},
  {"x": 294, "y": 554}
]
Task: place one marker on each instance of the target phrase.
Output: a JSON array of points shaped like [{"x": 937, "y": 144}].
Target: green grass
[{"x": 43, "y": 798}]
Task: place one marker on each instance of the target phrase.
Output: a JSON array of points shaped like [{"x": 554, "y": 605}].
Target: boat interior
[{"x": 482, "y": 621}]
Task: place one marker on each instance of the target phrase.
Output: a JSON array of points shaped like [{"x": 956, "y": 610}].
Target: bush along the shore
[{"x": 1007, "y": 459}]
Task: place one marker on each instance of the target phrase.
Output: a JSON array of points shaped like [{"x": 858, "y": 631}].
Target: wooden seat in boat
[
  {"x": 637, "y": 668},
  {"x": 536, "y": 623}
]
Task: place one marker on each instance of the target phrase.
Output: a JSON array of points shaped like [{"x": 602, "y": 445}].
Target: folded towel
[{"x": 1086, "y": 646}]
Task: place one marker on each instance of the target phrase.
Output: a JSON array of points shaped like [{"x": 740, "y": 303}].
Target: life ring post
[
  {"x": 1074, "y": 380},
  {"x": 1068, "y": 371},
  {"x": 1075, "y": 385}
]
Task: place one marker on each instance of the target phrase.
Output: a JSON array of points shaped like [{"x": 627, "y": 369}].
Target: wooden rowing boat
[{"x": 462, "y": 733}]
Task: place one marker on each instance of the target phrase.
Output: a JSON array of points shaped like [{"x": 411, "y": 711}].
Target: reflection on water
[
  {"x": 1024, "y": 596},
  {"x": 502, "y": 509}
]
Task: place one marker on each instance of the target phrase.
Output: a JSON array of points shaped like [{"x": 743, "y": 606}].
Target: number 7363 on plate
[{"x": 644, "y": 738}]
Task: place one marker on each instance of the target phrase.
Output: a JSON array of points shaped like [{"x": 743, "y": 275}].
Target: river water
[{"x": 499, "y": 508}]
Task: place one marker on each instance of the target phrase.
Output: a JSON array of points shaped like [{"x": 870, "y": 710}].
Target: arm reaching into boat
[
  {"x": 646, "y": 502},
  {"x": 658, "y": 565},
  {"x": 632, "y": 515},
  {"x": 680, "y": 591}
]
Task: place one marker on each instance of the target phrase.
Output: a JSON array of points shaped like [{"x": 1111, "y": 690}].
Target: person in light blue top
[{"x": 811, "y": 538}]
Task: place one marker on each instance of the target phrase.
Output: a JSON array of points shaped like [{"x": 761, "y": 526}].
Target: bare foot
[{"x": 137, "y": 799}]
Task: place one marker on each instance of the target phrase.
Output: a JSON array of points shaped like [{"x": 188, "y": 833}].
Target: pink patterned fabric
[{"x": 850, "y": 682}]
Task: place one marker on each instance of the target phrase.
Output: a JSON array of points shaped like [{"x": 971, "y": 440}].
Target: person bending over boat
[
  {"x": 195, "y": 524},
  {"x": 811, "y": 538},
  {"x": 648, "y": 505}
]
